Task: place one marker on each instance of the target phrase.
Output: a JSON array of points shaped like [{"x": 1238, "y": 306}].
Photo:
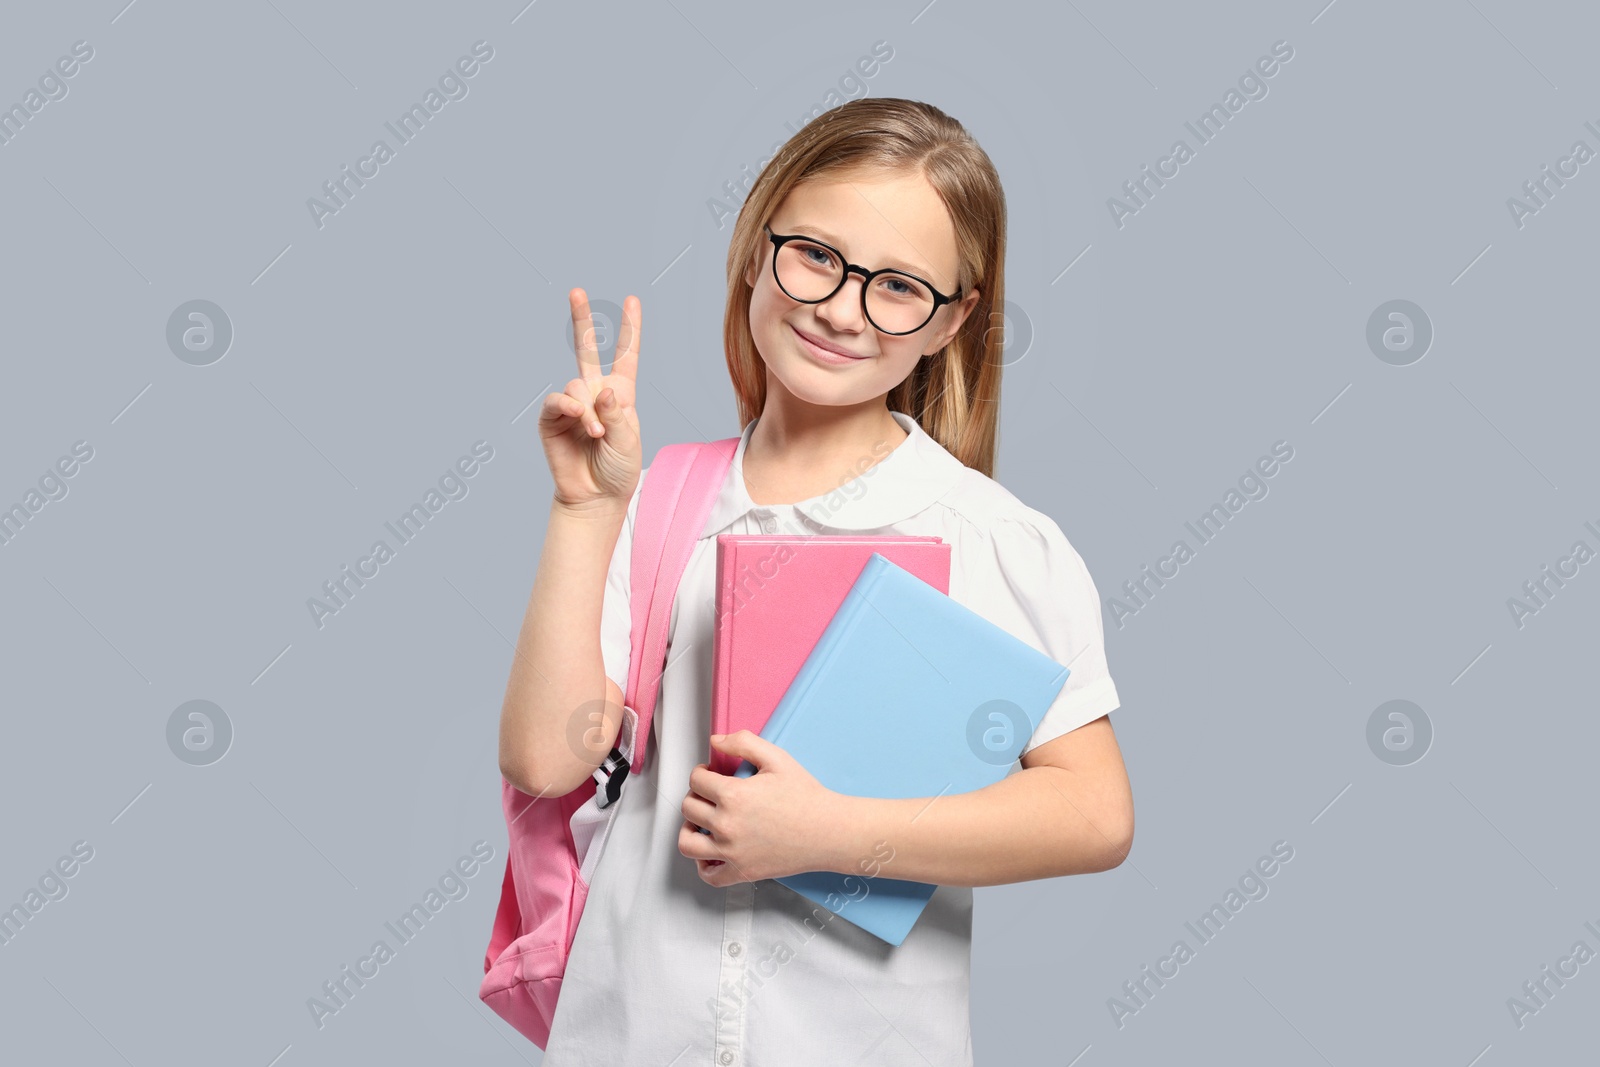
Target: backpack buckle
[{"x": 610, "y": 774}]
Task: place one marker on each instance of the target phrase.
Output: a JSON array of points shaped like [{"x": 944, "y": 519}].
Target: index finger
[{"x": 707, "y": 784}]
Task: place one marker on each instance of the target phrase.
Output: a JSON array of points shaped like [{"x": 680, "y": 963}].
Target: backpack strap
[{"x": 679, "y": 491}]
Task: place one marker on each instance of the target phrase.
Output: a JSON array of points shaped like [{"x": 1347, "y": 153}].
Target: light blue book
[{"x": 906, "y": 694}]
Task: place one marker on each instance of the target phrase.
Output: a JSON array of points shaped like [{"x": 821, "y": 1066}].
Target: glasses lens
[
  {"x": 896, "y": 303},
  {"x": 808, "y": 271}
]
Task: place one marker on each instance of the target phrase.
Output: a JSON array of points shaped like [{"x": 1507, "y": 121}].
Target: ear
[
  {"x": 753, "y": 269},
  {"x": 958, "y": 314}
]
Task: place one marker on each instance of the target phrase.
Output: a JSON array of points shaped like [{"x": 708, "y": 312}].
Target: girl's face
[{"x": 876, "y": 220}]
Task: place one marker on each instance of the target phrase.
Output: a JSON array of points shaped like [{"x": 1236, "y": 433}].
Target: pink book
[{"x": 776, "y": 593}]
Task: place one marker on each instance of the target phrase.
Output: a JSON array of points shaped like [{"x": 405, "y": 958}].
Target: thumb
[{"x": 620, "y": 430}]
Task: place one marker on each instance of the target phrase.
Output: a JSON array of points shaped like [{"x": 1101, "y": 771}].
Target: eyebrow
[{"x": 897, "y": 264}]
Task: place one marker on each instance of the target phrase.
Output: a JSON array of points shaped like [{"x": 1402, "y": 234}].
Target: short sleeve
[
  {"x": 1043, "y": 593},
  {"x": 616, "y": 613}
]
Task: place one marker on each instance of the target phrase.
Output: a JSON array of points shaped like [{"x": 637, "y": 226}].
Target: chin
[{"x": 815, "y": 389}]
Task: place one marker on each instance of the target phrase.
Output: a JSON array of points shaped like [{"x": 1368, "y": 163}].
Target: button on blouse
[{"x": 666, "y": 969}]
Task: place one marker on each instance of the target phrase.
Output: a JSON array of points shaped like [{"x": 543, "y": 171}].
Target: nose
[{"x": 843, "y": 310}]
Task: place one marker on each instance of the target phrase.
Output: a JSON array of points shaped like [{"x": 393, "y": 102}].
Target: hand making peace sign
[{"x": 591, "y": 431}]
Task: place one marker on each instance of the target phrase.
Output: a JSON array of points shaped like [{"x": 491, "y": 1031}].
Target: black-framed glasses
[{"x": 811, "y": 271}]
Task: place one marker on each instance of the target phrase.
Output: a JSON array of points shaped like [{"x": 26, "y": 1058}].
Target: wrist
[
  {"x": 605, "y": 512},
  {"x": 850, "y": 845}
]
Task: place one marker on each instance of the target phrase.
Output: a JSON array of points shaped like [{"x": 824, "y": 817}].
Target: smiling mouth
[{"x": 828, "y": 349}]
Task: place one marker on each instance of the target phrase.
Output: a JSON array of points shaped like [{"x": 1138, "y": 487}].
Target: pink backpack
[{"x": 555, "y": 842}]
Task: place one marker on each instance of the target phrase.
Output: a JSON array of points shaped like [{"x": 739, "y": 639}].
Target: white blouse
[{"x": 669, "y": 971}]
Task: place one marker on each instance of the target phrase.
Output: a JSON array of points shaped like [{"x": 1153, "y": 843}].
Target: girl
[{"x": 863, "y": 273}]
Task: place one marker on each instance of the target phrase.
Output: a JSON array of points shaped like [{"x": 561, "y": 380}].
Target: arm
[
  {"x": 561, "y": 713},
  {"x": 1069, "y": 810}
]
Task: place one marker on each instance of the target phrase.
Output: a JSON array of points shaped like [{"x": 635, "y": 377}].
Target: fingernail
[{"x": 596, "y": 428}]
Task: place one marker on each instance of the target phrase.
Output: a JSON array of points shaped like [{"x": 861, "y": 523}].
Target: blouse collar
[{"x": 915, "y": 474}]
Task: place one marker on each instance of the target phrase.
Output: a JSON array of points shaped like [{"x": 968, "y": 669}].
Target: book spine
[
  {"x": 832, "y": 639},
  {"x": 722, "y": 630}
]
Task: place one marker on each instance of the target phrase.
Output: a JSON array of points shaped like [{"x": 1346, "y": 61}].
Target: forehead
[{"x": 877, "y": 220}]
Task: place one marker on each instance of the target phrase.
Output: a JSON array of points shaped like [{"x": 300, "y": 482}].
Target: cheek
[
  {"x": 767, "y": 309},
  {"x": 898, "y": 358}
]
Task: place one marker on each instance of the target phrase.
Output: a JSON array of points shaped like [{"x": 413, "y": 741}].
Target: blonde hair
[{"x": 954, "y": 394}]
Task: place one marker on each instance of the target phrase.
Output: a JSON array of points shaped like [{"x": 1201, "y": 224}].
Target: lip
[{"x": 817, "y": 351}]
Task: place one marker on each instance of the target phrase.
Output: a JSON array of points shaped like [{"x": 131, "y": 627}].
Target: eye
[
  {"x": 817, "y": 257},
  {"x": 901, "y": 287}
]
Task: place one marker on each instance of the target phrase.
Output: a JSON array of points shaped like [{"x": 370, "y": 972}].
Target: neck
[{"x": 798, "y": 451}]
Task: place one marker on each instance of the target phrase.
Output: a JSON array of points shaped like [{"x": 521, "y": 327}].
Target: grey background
[{"x": 368, "y": 355}]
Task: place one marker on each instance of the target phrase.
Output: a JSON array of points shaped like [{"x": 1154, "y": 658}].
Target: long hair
[{"x": 954, "y": 394}]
